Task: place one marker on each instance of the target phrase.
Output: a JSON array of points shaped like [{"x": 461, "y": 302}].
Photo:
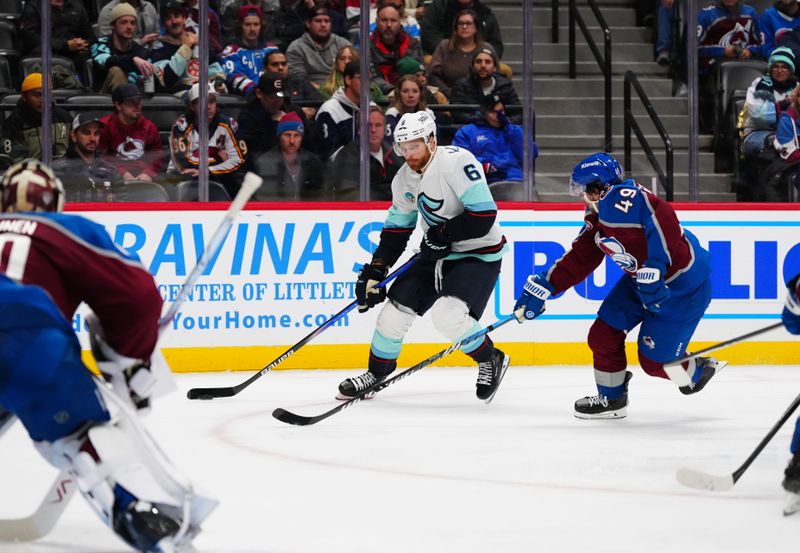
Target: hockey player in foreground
[
  {"x": 459, "y": 262},
  {"x": 666, "y": 287},
  {"x": 51, "y": 262},
  {"x": 791, "y": 481}
]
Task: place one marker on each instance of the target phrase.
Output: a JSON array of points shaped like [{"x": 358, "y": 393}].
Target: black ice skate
[
  {"x": 791, "y": 483},
  {"x": 490, "y": 374},
  {"x": 600, "y": 407},
  {"x": 710, "y": 367},
  {"x": 351, "y": 387}
]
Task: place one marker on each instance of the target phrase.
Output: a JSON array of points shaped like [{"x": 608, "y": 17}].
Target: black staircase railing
[
  {"x": 603, "y": 61},
  {"x": 554, "y": 22},
  {"x": 665, "y": 179}
]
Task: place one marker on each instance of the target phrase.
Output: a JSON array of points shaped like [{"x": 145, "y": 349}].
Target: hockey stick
[
  {"x": 679, "y": 376},
  {"x": 703, "y": 481},
  {"x": 230, "y": 391},
  {"x": 41, "y": 522},
  {"x": 292, "y": 418}
]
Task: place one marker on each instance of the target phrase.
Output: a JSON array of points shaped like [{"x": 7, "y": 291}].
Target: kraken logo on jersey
[
  {"x": 616, "y": 251},
  {"x": 428, "y": 208}
]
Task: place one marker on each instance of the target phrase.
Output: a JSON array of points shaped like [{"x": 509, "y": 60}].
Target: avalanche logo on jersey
[
  {"x": 428, "y": 208},
  {"x": 616, "y": 251},
  {"x": 649, "y": 342}
]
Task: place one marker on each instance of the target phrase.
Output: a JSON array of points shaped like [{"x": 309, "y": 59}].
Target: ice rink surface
[{"x": 427, "y": 468}]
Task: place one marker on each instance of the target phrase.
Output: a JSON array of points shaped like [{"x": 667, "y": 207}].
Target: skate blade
[
  {"x": 618, "y": 414},
  {"x": 792, "y": 504},
  {"x": 506, "y": 362},
  {"x": 341, "y": 397}
]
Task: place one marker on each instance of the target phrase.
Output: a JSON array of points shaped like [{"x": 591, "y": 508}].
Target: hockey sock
[
  {"x": 380, "y": 366},
  {"x": 611, "y": 392},
  {"x": 484, "y": 352}
]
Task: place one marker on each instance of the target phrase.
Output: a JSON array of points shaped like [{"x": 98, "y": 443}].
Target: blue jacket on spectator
[
  {"x": 718, "y": 28},
  {"x": 773, "y": 24},
  {"x": 498, "y": 149}
]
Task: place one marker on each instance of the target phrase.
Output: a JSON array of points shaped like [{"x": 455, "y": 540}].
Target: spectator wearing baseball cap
[
  {"x": 117, "y": 58},
  {"x": 259, "y": 119},
  {"x": 289, "y": 171},
  {"x": 130, "y": 141},
  {"x": 22, "y": 129},
  {"x": 311, "y": 57},
  {"x": 82, "y": 169},
  {"x": 146, "y": 18}
]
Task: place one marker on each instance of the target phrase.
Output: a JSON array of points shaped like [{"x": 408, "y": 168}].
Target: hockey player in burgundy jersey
[
  {"x": 50, "y": 262},
  {"x": 666, "y": 288}
]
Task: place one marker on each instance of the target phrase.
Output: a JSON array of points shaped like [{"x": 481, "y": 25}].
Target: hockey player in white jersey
[{"x": 460, "y": 256}]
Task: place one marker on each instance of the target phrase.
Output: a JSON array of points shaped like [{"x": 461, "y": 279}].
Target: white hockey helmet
[
  {"x": 415, "y": 125},
  {"x": 30, "y": 185}
]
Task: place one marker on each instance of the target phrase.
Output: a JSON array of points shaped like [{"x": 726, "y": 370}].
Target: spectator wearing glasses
[
  {"x": 130, "y": 141},
  {"x": 437, "y": 23},
  {"x": 452, "y": 58}
]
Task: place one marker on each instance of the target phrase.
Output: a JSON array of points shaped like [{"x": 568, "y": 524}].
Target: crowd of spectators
[{"x": 284, "y": 94}]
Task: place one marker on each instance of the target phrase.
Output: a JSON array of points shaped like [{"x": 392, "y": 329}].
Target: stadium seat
[
  {"x": 163, "y": 110},
  {"x": 230, "y": 104},
  {"x": 94, "y": 102},
  {"x": 142, "y": 191},
  {"x": 30, "y": 64},
  {"x": 8, "y": 103},
  {"x": 733, "y": 75},
  {"x": 10, "y": 9},
  {"x": 187, "y": 192},
  {"x": 6, "y": 85}
]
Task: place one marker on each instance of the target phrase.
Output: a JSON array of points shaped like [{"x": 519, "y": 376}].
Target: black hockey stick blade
[
  {"x": 299, "y": 420},
  {"x": 703, "y": 481},
  {"x": 230, "y": 391}
]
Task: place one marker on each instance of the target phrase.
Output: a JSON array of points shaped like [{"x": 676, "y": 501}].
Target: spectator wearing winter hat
[
  {"x": 289, "y": 171},
  {"x": 312, "y": 55},
  {"x": 243, "y": 60},
  {"x": 452, "y": 58},
  {"x": 117, "y": 58},
  {"x": 388, "y": 45},
  {"x": 767, "y": 97},
  {"x": 483, "y": 80},
  {"x": 130, "y": 142},
  {"x": 146, "y": 17},
  {"x": 22, "y": 129}
]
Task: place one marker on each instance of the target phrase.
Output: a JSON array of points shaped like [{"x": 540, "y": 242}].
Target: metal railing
[
  {"x": 665, "y": 179},
  {"x": 554, "y": 22},
  {"x": 603, "y": 61}
]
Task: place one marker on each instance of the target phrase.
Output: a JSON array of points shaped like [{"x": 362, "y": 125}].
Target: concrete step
[
  {"x": 623, "y": 33},
  {"x": 587, "y": 68},
  {"x": 595, "y": 124},
  {"x": 586, "y": 143},
  {"x": 591, "y": 86},
  {"x": 596, "y": 104},
  {"x": 615, "y": 16},
  {"x": 546, "y": 51},
  {"x": 561, "y": 161}
]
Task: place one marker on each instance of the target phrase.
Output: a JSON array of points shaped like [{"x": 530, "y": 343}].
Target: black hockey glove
[
  {"x": 436, "y": 244},
  {"x": 367, "y": 294}
]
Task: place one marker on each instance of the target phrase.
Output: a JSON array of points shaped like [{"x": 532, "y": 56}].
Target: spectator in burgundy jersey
[
  {"x": 129, "y": 140},
  {"x": 82, "y": 169}
]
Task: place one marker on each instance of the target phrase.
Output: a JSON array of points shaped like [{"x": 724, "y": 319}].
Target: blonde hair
[
  {"x": 335, "y": 79},
  {"x": 398, "y": 102}
]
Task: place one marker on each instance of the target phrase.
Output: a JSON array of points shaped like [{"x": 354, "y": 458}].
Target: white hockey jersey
[{"x": 453, "y": 185}]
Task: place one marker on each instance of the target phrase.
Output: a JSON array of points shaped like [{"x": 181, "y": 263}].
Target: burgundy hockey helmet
[{"x": 30, "y": 185}]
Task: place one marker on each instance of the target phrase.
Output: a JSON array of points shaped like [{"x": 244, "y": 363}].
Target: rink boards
[{"x": 285, "y": 268}]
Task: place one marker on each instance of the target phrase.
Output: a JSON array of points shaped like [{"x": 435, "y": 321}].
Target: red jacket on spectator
[
  {"x": 133, "y": 149},
  {"x": 384, "y": 58}
]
